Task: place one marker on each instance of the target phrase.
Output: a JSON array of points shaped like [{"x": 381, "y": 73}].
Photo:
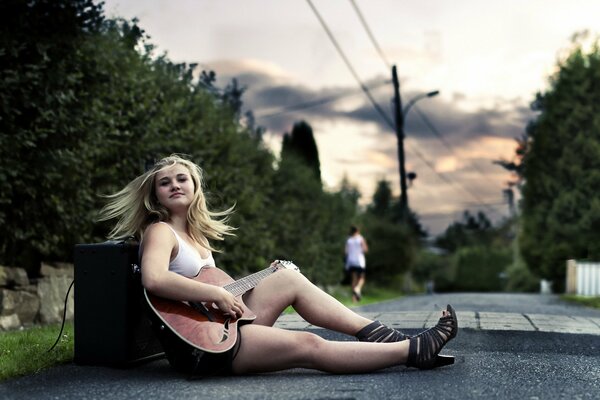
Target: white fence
[{"x": 583, "y": 278}]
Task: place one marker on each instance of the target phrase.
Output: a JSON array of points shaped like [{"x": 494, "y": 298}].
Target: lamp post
[
  {"x": 400, "y": 113},
  {"x": 417, "y": 98}
]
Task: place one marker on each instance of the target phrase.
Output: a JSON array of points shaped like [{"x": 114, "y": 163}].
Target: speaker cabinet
[{"x": 111, "y": 321}]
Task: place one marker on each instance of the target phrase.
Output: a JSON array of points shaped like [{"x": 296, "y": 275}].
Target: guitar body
[
  {"x": 208, "y": 330},
  {"x": 199, "y": 326}
]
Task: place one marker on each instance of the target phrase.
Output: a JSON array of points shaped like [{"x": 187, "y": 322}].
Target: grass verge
[
  {"x": 593, "y": 302},
  {"x": 25, "y": 352},
  {"x": 370, "y": 295}
]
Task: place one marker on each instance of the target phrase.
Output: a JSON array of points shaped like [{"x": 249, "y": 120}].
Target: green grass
[
  {"x": 370, "y": 294},
  {"x": 25, "y": 352},
  {"x": 593, "y": 302}
]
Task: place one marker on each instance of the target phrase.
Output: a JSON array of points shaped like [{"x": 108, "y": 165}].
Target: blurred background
[{"x": 463, "y": 138}]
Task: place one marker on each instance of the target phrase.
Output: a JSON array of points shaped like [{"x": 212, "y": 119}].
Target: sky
[{"x": 488, "y": 59}]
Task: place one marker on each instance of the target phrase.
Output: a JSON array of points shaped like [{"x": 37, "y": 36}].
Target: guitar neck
[{"x": 241, "y": 286}]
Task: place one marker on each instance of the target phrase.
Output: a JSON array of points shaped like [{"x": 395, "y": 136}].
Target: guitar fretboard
[{"x": 241, "y": 286}]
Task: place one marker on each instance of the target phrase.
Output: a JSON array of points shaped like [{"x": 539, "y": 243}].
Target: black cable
[
  {"x": 64, "y": 318},
  {"x": 312, "y": 103},
  {"x": 375, "y": 105},
  {"x": 437, "y": 133},
  {"x": 371, "y": 36},
  {"x": 449, "y": 181},
  {"x": 350, "y": 67}
]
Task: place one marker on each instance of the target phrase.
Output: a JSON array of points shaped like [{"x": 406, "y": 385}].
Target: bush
[
  {"x": 520, "y": 279},
  {"x": 392, "y": 248},
  {"x": 429, "y": 266},
  {"x": 479, "y": 269}
]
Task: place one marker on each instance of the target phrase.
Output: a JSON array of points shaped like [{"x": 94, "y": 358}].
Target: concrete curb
[{"x": 493, "y": 321}]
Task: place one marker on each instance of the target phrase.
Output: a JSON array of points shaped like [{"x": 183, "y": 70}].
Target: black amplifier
[{"x": 111, "y": 321}]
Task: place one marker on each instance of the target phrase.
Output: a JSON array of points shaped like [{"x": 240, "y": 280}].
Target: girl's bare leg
[
  {"x": 360, "y": 283},
  {"x": 354, "y": 284},
  {"x": 286, "y": 287},
  {"x": 266, "y": 349}
]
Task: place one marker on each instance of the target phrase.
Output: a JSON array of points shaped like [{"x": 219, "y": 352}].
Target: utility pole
[
  {"x": 400, "y": 137},
  {"x": 509, "y": 195}
]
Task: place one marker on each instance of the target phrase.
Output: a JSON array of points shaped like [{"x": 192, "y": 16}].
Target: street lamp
[
  {"x": 417, "y": 98},
  {"x": 400, "y": 114}
]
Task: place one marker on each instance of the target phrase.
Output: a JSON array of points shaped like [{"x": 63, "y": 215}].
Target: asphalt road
[{"x": 491, "y": 363}]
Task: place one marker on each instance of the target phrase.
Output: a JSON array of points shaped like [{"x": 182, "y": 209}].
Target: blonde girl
[{"x": 165, "y": 208}]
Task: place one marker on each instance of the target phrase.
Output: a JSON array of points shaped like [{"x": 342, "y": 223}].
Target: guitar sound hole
[{"x": 225, "y": 330}]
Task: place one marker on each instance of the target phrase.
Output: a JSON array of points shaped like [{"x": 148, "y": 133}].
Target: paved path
[{"x": 533, "y": 359}]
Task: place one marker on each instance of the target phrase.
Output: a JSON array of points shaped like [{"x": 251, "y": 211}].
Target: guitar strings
[{"x": 241, "y": 286}]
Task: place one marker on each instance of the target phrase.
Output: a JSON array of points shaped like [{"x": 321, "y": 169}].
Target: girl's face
[{"x": 174, "y": 187}]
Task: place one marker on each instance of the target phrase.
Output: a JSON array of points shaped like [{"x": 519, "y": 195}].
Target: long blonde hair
[{"x": 136, "y": 206}]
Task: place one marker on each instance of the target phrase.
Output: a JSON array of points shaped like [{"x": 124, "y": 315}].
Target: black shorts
[
  {"x": 357, "y": 269},
  {"x": 189, "y": 360}
]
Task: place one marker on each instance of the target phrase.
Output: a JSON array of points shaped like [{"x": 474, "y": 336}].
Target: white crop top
[{"x": 188, "y": 261}]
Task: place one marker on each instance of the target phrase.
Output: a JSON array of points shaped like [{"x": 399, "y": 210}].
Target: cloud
[
  {"x": 278, "y": 102},
  {"x": 449, "y": 144}
]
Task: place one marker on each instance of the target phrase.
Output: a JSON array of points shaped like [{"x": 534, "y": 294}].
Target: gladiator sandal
[
  {"x": 378, "y": 332},
  {"x": 423, "y": 350}
]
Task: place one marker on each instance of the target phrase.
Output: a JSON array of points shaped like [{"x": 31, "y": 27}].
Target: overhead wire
[
  {"x": 442, "y": 139},
  {"x": 425, "y": 119},
  {"x": 448, "y": 180},
  {"x": 371, "y": 36},
  {"x": 349, "y": 65},
  {"x": 436, "y": 132},
  {"x": 313, "y": 103}
]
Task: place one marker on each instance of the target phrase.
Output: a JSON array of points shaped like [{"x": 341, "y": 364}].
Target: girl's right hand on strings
[{"x": 227, "y": 303}]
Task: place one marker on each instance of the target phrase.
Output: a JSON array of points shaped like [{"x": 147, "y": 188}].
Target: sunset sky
[{"x": 487, "y": 59}]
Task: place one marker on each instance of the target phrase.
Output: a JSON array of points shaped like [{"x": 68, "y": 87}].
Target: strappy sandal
[
  {"x": 378, "y": 332},
  {"x": 423, "y": 350}
]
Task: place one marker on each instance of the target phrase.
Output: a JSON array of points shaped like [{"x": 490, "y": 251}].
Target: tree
[
  {"x": 381, "y": 205},
  {"x": 471, "y": 230},
  {"x": 310, "y": 224},
  {"x": 479, "y": 268},
  {"x": 43, "y": 90},
  {"x": 301, "y": 143},
  {"x": 84, "y": 105},
  {"x": 561, "y": 205},
  {"x": 392, "y": 243},
  {"x": 476, "y": 257},
  {"x": 392, "y": 249}
]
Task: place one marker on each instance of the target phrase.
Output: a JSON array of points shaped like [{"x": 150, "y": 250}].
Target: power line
[
  {"x": 349, "y": 65},
  {"x": 375, "y": 105},
  {"x": 449, "y": 181},
  {"x": 371, "y": 36},
  {"x": 268, "y": 113},
  {"x": 442, "y": 139},
  {"x": 425, "y": 119}
]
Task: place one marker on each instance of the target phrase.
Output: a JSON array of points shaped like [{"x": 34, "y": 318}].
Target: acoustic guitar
[{"x": 199, "y": 324}]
